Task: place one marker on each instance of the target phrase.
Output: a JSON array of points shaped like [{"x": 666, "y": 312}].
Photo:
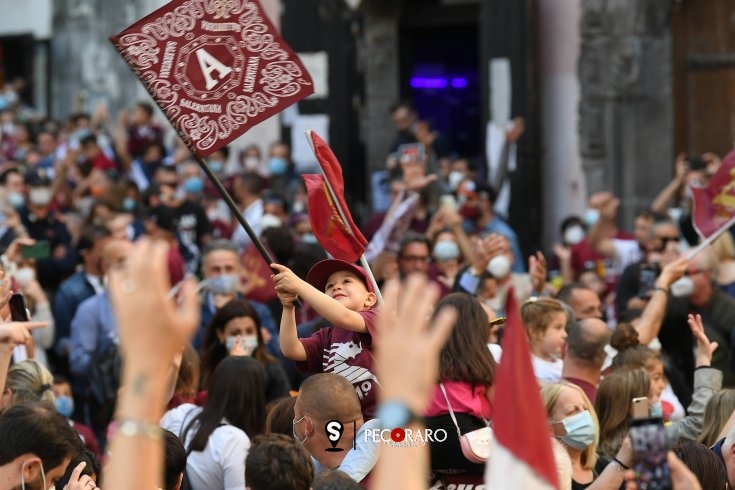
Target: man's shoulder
[{"x": 77, "y": 283}]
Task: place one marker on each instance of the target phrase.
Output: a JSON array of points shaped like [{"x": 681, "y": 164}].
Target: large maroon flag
[
  {"x": 340, "y": 237},
  {"x": 214, "y": 68},
  {"x": 714, "y": 205}
]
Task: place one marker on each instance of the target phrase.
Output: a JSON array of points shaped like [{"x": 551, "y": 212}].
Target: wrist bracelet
[
  {"x": 620, "y": 463},
  {"x": 136, "y": 428},
  {"x": 659, "y": 288}
]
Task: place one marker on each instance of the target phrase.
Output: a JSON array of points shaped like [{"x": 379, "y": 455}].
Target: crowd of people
[{"x": 154, "y": 342}]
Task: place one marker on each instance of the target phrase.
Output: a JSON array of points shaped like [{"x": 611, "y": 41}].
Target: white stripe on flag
[{"x": 504, "y": 470}]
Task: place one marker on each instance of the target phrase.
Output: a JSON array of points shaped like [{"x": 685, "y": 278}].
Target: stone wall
[{"x": 626, "y": 121}]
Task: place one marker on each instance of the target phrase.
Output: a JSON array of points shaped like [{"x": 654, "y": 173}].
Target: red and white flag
[
  {"x": 714, "y": 205},
  {"x": 522, "y": 456},
  {"x": 329, "y": 215},
  {"x": 214, "y": 68}
]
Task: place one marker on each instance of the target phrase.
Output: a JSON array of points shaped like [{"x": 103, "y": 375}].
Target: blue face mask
[
  {"x": 445, "y": 250},
  {"x": 217, "y": 166},
  {"x": 656, "y": 410},
  {"x": 277, "y": 165},
  {"x": 16, "y": 199},
  {"x": 194, "y": 185},
  {"x": 224, "y": 284},
  {"x": 65, "y": 406},
  {"x": 580, "y": 430},
  {"x": 591, "y": 216},
  {"x": 128, "y": 204}
]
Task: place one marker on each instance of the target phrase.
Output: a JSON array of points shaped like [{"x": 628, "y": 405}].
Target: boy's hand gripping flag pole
[
  {"x": 215, "y": 69},
  {"x": 330, "y": 218}
]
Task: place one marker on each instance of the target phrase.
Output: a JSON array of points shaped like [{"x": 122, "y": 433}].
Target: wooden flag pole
[
  {"x": 238, "y": 215},
  {"x": 363, "y": 260},
  {"x": 708, "y": 241}
]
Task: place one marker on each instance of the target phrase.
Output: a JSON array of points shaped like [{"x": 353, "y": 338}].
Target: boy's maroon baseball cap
[{"x": 319, "y": 274}]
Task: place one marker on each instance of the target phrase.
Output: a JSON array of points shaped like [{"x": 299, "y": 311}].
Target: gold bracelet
[{"x": 136, "y": 428}]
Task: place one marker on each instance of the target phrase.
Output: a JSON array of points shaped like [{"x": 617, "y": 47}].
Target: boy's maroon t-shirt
[{"x": 349, "y": 354}]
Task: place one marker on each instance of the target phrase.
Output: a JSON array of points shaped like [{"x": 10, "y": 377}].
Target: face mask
[
  {"x": 580, "y": 430},
  {"x": 250, "y": 343},
  {"x": 298, "y": 207},
  {"x": 573, "y": 235},
  {"x": 24, "y": 276},
  {"x": 65, "y": 406},
  {"x": 43, "y": 478},
  {"x": 251, "y": 163},
  {"x": 217, "y": 166},
  {"x": 40, "y": 196},
  {"x": 682, "y": 287},
  {"x": 656, "y": 411},
  {"x": 309, "y": 238},
  {"x": 270, "y": 221},
  {"x": 277, "y": 165},
  {"x": 455, "y": 178},
  {"x": 499, "y": 266},
  {"x": 194, "y": 185},
  {"x": 16, "y": 199},
  {"x": 293, "y": 429},
  {"x": 591, "y": 216},
  {"x": 224, "y": 284},
  {"x": 445, "y": 250},
  {"x": 128, "y": 204}
]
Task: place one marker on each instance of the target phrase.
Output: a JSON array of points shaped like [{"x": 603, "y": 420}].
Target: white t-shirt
[
  {"x": 221, "y": 466},
  {"x": 626, "y": 252},
  {"x": 546, "y": 370}
]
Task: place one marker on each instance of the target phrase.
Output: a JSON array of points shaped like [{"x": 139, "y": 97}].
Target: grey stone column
[{"x": 626, "y": 122}]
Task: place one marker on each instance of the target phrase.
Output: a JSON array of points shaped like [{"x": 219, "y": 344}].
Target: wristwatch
[{"x": 395, "y": 413}]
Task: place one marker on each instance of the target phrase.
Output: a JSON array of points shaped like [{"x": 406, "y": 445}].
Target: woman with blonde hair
[
  {"x": 574, "y": 424},
  {"x": 27, "y": 382},
  {"x": 716, "y": 414}
]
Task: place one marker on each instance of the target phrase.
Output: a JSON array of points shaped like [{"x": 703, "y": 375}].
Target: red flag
[
  {"x": 258, "y": 285},
  {"x": 326, "y": 223},
  {"x": 522, "y": 456},
  {"x": 714, "y": 205},
  {"x": 214, "y": 68}
]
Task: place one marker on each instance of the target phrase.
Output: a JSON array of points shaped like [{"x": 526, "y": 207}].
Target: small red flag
[
  {"x": 714, "y": 205},
  {"x": 258, "y": 285},
  {"x": 215, "y": 69},
  {"x": 522, "y": 457},
  {"x": 329, "y": 228}
]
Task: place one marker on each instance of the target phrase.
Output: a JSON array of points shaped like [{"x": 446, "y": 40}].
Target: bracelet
[
  {"x": 135, "y": 428},
  {"x": 659, "y": 288},
  {"x": 620, "y": 463}
]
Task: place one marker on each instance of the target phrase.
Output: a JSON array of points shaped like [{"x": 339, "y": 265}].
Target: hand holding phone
[
  {"x": 40, "y": 250},
  {"x": 18, "y": 310},
  {"x": 650, "y": 450},
  {"x": 639, "y": 408}
]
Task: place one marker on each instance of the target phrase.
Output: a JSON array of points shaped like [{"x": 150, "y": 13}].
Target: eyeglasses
[{"x": 415, "y": 258}]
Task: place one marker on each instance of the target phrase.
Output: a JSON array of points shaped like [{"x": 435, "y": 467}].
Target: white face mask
[
  {"x": 573, "y": 235},
  {"x": 499, "y": 266},
  {"x": 43, "y": 478},
  {"x": 455, "y": 178},
  {"x": 40, "y": 196},
  {"x": 682, "y": 287},
  {"x": 24, "y": 276}
]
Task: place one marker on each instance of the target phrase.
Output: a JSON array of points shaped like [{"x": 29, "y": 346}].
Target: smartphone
[
  {"x": 413, "y": 153},
  {"x": 696, "y": 163},
  {"x": 447, "y": 201},
  {"x": 649, "y": 454},
  {"x": 41, "y": 250},
  {"x": 646, "y": 279},
  {"x": 639, "y": 408},
  {"x": 18, "y": 310}
]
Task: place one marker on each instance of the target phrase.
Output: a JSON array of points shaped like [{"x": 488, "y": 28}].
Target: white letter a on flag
[{"x": 208, "y": 64}]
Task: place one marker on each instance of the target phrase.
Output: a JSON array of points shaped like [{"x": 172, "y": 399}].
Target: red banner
[
  {"x": 214, "y": 68},
  {"x": 714, "y": 205},
  {"x": 256, "y": 274}
]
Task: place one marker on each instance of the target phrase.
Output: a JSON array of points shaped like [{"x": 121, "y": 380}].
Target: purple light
[
  {"x": 459, "y": 82},
  {"x": 424, "y": 82}
]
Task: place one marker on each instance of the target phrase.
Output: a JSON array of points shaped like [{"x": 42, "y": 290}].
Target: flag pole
[
  {"x": 708, "y": 241},
  {"x": 236, "y": 212},
  {"x": 363, "y": 259}
]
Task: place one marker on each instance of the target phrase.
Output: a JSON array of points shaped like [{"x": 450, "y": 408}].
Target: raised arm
[
  {"x": 672, "y": 189},
  {"x": 598, "y": 239},
  {"x": 649, "y": 324}
]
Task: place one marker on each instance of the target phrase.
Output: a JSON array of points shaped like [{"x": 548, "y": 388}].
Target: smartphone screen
[
  {"x": 41, "y": 250},
  {"x": 18, "y": 310},
  {"x": 649, "y": 454}
]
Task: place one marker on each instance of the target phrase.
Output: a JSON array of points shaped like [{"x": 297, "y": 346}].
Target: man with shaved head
[
  {"x": 586, "y": 341},
  {"x": 325, "y": 397}
]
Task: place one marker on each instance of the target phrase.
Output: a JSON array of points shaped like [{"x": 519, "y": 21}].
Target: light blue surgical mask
[
  {"x": 217, "y": 166},
  {"x": 591, "y": 216},
  {"x": 445, "y": 250},
  {"x": 277, "y": 165},
  {"x": 224, "y": 284},
  {"x": 16, "y": 199},
  {"x": 293, "y": 430},
  {"x": 128, "y": 204},
  {"x": 194, "y": 185},
  {"x": 65, "y": 406},
  {"x": 580, "y": 430},
  {"x": 656, "y": 410}
]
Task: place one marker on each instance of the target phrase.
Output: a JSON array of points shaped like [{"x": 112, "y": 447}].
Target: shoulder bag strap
[{"x": 449, "y": 406}]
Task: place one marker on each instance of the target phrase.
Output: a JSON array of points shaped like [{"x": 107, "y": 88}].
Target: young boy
[{"x": 347, "y": 302}]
